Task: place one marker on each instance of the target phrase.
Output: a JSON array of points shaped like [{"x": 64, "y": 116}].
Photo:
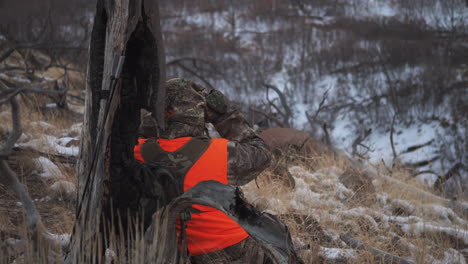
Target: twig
[
  {"x": 321, "y": 104},
  {"x": 421, "y": 163},
  {"x": 6, "y": 54},
  {"x": 287, "y": 114},
  {"x": 16, "y": 131},
  {"x": 327, "y": 137},
  {"x": 187, "y": 69},
  {"x": 416, "y": 147},
  {"x": 9, "y": 178},
  {"x": 12, "y": 93},
  {"x": 360, "y": 139},
  {"x": 267, "y": 116},
  {"x": 392, "y": 130},
  {"x": 439, "y": 183}
]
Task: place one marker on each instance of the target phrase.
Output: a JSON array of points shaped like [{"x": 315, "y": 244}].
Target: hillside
[
  {"x": 385, "y": 208},
  {"x": 382, "y": 83}
]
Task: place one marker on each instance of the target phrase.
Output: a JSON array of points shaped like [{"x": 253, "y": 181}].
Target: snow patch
[
  {"x": 49, "y": 169},
  {"x": 48, "y": 143},
  {"x": 451, "y": 256},
  {"x": 337, "y": 253}
]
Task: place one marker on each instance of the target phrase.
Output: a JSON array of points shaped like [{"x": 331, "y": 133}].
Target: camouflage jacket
[
  {"x": 248, "y": 154},
  {"x": 186, "y": 116}
]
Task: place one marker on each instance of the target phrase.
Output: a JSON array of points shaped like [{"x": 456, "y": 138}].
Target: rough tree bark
[{"x": 127, "y": 28}]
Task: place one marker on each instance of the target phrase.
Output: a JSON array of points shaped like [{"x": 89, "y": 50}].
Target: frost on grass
[
  {"x": 337, "y": 254},
  {"x": 451, "y": 256},
  {"x": 48, "y": 168},
  {"x": 321, "y": 195}
]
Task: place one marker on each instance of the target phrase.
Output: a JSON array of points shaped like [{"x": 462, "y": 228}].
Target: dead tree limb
[
  {"x": 359, "y": 140},
  {"x": 6, "y": 54},
  {"x": 36, "y": 230},
  {"x": 287, "y": 113},
  {"x": 321, "y": 105},
  {"x": 379, "y": 255},
  {"x": 327, "y": 138},
  {"x": 267, "y": 116},
  {"x": 392, "y": 143},
  {"x": 416, "y": 147},
  {"x": 439, "y": 183},
  {"x": 16, "y": 132},
  {"x": 10, "y": 93},
  {"x": 421, "y": 163},
  {"x": 194, "y": 73}
]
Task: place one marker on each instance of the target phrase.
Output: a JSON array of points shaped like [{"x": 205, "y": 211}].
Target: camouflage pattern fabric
[
  {"x": 184, "y": 110},
  {"x": 248, "y": 154}
]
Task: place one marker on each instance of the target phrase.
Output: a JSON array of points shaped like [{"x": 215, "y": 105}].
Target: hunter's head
[{"x": 184, "y": 113}]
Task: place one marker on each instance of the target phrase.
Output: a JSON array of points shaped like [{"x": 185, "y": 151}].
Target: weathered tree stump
[{"x": 125, "y": 73}]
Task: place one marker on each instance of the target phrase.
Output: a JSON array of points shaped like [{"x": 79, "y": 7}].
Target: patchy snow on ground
[
  {"x": 337, "y": 253},
  {"x": 48, "y": 168},
  {"x": 321, "y": 195},
  {"x": 50, "y": 144}
]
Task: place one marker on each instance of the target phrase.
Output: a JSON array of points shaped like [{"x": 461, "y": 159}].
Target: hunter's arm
[{"x": 248, "y": 154}]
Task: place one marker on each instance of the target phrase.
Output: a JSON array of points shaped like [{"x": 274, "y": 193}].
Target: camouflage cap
[{"x": 185, "y": 109}]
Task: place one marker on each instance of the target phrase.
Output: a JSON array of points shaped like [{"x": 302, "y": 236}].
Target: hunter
[{"x": 236, "y": 159}]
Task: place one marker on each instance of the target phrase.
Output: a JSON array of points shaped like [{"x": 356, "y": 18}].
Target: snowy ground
[{"x": 402, "y": 209}]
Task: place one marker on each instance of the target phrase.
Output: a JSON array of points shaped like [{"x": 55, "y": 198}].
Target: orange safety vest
[{"x": 211, "y": 230}]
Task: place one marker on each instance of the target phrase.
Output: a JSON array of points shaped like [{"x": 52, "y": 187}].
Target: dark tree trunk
[{"x": 127, "y": 28}]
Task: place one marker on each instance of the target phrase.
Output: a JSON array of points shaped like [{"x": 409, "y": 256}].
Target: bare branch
[
  {"x": 416, "y": 147},
  {"x": 37, "y": 232},
  {"x": 9, "y": 178},
  {"x": 359, "y": 140},
  {"x": 392, "y": 130},
  {"x": 192, "y": 59},
  {"x": 16, "y": 131},
  {"x": 422, "y": 163},
  {"x": 321, "y": 104},
  {"x": 327, "y": 137},
  {"x": 438, "y": 185},
  {"x": 12, "y": 93},
  {"x": 6, "y": 54},
  {"x": 287, "y": 114},
  {"x": 267, "y": 116},
  {"x": 187, "y": 69}
]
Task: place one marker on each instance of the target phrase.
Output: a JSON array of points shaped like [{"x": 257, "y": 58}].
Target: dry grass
[
  {"x": 380, "y": 224},
  {"x": 317, "y": 211}
]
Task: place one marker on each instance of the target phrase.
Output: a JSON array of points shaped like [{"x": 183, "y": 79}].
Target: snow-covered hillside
[{"x": 352, "y": 65}]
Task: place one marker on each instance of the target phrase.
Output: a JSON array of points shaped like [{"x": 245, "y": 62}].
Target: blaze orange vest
[{"x": 211, "y": 230}]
